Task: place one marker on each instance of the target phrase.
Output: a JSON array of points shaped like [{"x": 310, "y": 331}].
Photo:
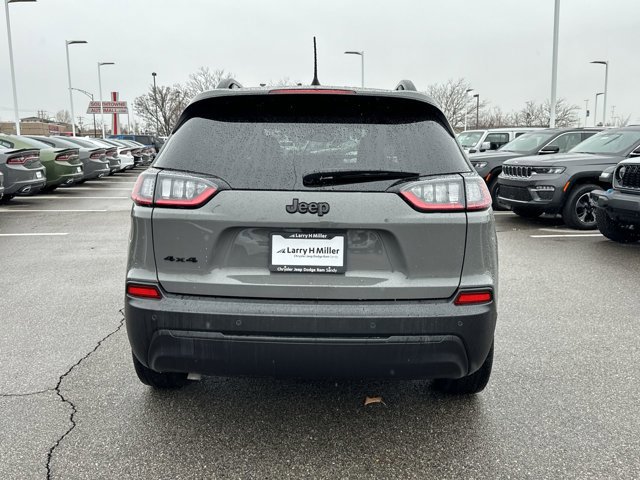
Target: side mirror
[
  {"x": 549, "y": 149},
  {"x": 485, "y": 146}
]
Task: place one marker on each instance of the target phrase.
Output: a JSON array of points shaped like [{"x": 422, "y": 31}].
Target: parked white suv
[{"x": 476, "y": 141}]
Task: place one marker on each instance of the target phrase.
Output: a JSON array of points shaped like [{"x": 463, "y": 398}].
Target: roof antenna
[{"x": 315, "y": 64}]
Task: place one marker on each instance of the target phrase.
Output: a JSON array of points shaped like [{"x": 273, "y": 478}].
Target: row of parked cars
[
  {"x": 30, "y": 164},
  {"x": 589, "y": 176}
]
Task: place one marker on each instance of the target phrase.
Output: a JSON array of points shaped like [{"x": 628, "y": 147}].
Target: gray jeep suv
[{"x": 312, "y": 232}]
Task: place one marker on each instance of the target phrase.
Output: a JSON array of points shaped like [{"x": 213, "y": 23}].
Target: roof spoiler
[
  {"x": 229, "y": 83},
  {"x": 406, "y": 85}
]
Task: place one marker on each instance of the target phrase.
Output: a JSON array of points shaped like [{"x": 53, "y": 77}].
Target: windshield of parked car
[
  {"x": 469, "y": 139},
  {"x": 527, "y": 142},
  {"x": 617, "y": 142}
]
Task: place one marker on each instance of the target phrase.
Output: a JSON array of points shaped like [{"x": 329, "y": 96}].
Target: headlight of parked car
[
  {"x": 547, "y": 170},
  {"x": 479, "y": 164}
]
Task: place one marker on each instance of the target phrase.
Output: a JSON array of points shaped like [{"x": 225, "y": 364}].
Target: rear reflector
[
  {"x": 473, "y": 298},
  {"x": 313, "y": 91},
  {"x": 143, "y": 291}
]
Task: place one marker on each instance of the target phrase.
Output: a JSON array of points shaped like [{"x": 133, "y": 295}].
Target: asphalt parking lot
[{"x": 562, "y": 401}]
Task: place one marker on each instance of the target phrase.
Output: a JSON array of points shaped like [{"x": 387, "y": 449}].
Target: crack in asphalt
[{"x": 74, "y": 410}]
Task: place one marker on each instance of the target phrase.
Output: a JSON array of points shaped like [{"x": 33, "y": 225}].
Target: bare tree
[
  {"x": 453, "y": 99},
  {"x": 205, "y": 79},
  {"x": 538, "y": 114},
  {"x": 63, "y": 116},
  {"x": 170, "y": 102}
]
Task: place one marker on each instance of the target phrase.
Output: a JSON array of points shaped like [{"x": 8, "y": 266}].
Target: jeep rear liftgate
[{"x": 301, "y": 196}]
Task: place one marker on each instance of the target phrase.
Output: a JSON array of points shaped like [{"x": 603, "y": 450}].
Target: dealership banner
[{"x": 108, "y": 107}]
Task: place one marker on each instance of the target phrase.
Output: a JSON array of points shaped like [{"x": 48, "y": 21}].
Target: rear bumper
[
  {"x": 95, "y": 169},
  {"x": 620, "y": 206},
  {"x": 222, "y": 336}
]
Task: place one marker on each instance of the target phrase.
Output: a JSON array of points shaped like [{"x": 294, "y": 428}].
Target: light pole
[
  {"x": 67, "y": 43},
  {"x": 554, "y": 65},
  {"x": 606, "y": 81},
  {"x": 90, "y": 95},
  {"x": 595, "y": 110},
  {"x": 155, "y": 101},
  {"x": 353, "y": 52},
  {"x": 13, "y": 72},
  {"x": 477, "y": 97},
  {"x": 466, "y": 105},
  {"x": 100, "y": 87}
]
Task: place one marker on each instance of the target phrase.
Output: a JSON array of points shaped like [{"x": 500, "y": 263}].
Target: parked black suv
[
  {"x": 562, "y": 183},
  {"x": 539, "y": 142},
  {"x": 618, "y": 208}
]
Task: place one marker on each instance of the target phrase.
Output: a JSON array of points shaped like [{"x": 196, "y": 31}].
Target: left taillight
[
  {"x": 21, "y": 159},
  {"x": 449, "y": 193},
  {"x": 143, "y": 291},
  {"x": 172, "y": 190}
]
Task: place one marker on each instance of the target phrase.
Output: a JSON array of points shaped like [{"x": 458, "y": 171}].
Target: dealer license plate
[{"x": 308, "y": 252}]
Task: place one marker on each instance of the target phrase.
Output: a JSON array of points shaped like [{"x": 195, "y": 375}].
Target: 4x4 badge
[{"x": 319, "y": 208}]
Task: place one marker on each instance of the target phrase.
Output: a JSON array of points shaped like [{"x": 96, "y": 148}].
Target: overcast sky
[{"x": 503, "y": 47}]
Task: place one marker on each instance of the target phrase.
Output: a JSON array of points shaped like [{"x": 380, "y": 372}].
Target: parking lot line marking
[
  {"x": 568, "y": 235},
  {"x": 64, "y": 197},
  {"x": 32, "y": 234},
  {"x": 22, "y": 210}
]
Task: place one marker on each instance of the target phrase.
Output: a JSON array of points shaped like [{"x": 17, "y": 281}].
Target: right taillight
[
  {"x": 172, "y": 190},
  {"x": 97, "y": 155},
  {"x": 449, "y": 193}
]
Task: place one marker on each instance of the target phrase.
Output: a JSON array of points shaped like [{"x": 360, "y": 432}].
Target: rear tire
[
  {"x": 493, "y": 190},
  {"x": 579, "y": 210},
  {"x": 616, "y": 231},
  {"x": 470, "y": 384},
  {"x": 525, "y": 212},
  {"x": 167, "y": 380}
]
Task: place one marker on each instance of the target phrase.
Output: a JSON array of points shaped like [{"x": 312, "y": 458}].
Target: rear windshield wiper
[{"x": 343, "y": 177}]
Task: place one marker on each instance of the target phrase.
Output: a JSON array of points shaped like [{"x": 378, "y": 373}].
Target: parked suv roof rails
[
  {"x": 229, "y": 83},
  {"x": 406, "y": 85}
]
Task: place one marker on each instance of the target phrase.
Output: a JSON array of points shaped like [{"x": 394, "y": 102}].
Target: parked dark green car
[{"x": 63, "y": 165}]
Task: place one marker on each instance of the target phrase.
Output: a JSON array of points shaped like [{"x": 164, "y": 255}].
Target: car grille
[
  {"x": 514, "y": 193},
  {"x": 516, "y": 171},
  {"x": 631, "y": 177}
]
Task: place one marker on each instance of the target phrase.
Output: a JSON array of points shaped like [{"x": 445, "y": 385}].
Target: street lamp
[
  {"x": 13, "y": 72},
  {"x": 90, "y": 95},
  {"x": 67, "y": 43},
  {"x": 595, "y": 110},
  {"x": 353, "y": 52},
  {"x": 155, "y": 101},
  {"x": 100, "y": 64},
  {"x": 477, "y": 97},
  {"x": 554, "y": 65},
  {"x": 606, "y": 81},
  {"x": 466, "y": 103}
]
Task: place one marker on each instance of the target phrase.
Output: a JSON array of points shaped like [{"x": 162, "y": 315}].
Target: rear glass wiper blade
[{"x": 343, "y": 177}]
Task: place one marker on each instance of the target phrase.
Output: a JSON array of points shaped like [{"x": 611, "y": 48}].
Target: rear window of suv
[{"x": 270, "y": 142}]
